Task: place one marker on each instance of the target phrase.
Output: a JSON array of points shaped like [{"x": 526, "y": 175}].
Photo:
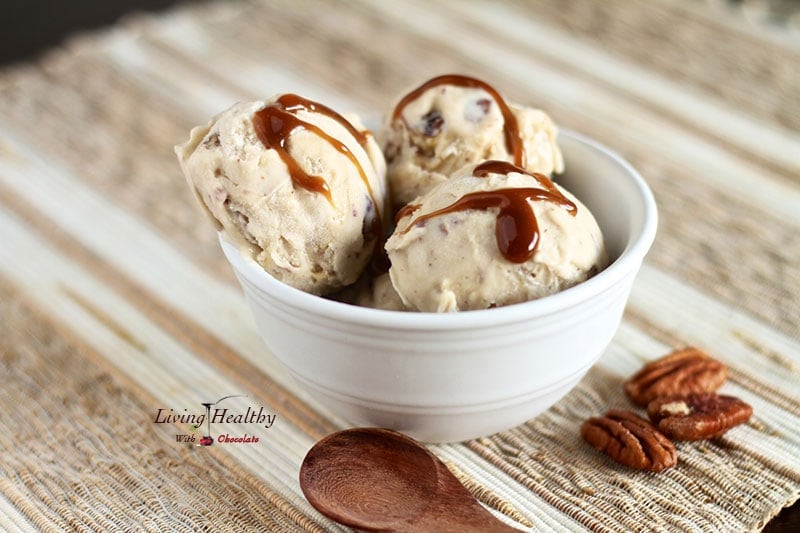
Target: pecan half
[
  {"x": 630, "y": 440},
  {"x": 432, "y": 123},
  {"x": 687, "y": 371},
  {"x": 697, "y": 416}
]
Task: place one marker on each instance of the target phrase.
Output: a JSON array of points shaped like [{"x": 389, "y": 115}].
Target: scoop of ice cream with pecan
[
  {"x": 492, "y": 235},
  {"x": 451, "y": 121},
  {"x": 298, "y": 187}
]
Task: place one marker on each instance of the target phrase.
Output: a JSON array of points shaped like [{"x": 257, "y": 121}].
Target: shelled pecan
[
  {"x": 686, "y": 371},
  {"x": 630, "y": 440},
  {"x": 697, "y": 416}
]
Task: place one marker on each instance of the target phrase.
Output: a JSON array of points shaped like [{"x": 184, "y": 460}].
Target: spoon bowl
[
  {"x": 380, "y": 480},
  {"x": 359, "y": 477}
]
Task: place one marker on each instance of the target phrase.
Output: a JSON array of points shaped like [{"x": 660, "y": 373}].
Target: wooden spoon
[{"x": 380, "y": 480}]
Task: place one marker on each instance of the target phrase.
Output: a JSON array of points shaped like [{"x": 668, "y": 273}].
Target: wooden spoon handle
[{"x": 456, "y": 510}]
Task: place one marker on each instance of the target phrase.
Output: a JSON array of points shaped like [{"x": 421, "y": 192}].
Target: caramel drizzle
[
  {"x": 275, "y": 123},
  {"x": 510, "y": 127},
  {"x": 516, "y": 227},
  {"x": 406, "y": 210}
]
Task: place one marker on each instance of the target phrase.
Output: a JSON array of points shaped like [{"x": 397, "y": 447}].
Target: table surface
[{"x": 119, "y": 316}]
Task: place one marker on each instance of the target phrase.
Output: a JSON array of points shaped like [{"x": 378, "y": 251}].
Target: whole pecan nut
[
  {"x": 630, "y": 440},
  {"x": 697, "y": 416},
  {"x": 686, "y": 371}
]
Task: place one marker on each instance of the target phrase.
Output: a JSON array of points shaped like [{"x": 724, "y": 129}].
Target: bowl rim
[{"x": 627, "y": 262}]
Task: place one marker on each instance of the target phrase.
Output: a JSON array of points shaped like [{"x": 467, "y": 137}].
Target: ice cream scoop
[
  {"x": 453, "y": 120},
  {"x": 295, "y": 185},
  {"x": 493, "y": 234}
]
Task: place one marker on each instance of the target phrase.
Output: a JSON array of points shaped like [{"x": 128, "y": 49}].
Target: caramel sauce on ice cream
[
  {"x": 516, "y": 228},
  {"x": 274, "y": 125}
]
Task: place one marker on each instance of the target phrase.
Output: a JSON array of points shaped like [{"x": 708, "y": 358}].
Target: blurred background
[{"x": 28, "y": 27}]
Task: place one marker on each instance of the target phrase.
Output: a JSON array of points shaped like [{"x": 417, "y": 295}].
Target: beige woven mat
[{"x": 115, "y": 300}]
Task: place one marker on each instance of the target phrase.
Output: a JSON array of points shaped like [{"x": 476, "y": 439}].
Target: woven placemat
[{"x": 115, "y": 299}]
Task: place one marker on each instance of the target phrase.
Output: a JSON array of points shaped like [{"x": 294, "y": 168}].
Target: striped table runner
[{"x": 118, "y": 312}]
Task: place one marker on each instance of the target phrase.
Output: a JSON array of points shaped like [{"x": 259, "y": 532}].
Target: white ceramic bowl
[{"x": 456, "y": 376}]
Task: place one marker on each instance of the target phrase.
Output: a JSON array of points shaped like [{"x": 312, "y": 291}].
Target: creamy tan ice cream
[
  {"x": 379, "y": 293},
  {"x": 451, "y": 121},
  {"x": 295, "y": 185},
  {"x": 492, "y": 235}
]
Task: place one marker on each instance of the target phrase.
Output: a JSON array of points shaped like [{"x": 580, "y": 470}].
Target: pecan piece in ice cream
[
  {"x": 630, "y": 440},
  {"x": 687, "y": 371},
  {"x": 697, "y": 416},
  {"x": 453, "y": 121}
]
